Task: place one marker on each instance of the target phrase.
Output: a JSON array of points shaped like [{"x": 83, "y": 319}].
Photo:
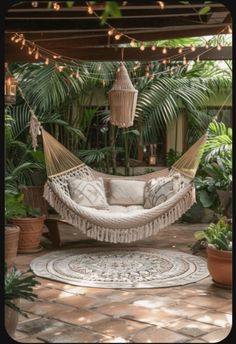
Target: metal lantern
[
  {"x": 10, "y": 90},
  {"x": 122, "y": 99}
]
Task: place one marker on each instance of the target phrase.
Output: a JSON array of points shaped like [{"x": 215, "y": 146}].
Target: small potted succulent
[
  {"x": 218, "y": 237},
  {"x": 30, "y": 222},
  {"x": 18, "y": 285}
]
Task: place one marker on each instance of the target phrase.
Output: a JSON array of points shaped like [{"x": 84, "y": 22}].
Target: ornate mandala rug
[{"x": 132, "y": 267}]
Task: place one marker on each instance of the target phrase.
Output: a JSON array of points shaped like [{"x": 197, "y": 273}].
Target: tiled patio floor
[{"x": 195, "y": 313}]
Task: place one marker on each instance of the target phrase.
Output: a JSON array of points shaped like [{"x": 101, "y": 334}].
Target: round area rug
[{"x": 133, "y": 267}]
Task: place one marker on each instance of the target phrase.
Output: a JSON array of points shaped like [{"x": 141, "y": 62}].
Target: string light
[
  {"x": 207, "y": 46},
  {"x": 184, "y": 60},
  {"x": 198, "y": 59},
  {"x": 142, "y": 47},
  {"x": 77, "y": 74},
  {"x": 229, "y": 29},
  {"x": 219, "y": 47},
  {"x": 30, "y": 51},
  {"x": 13, "y": 38},
  {"x": 164, "y": 50},
  {"x": 118, "y": 36},
  {"x": 36, "y": 56},
  {"x": 180, "y": 50},
  {"x": 161, "y": 4},
  {"x": 153, "y": 47},
  {"x": 193, "y": 48},
  {"x": 110, "y": 32},
  {"x": 34, "y": 3},
  {"x": 132, "y": 43},
  {"x": 60, "y": 68},
  {"x": 46, "y": 61},
  {"x": 56, "y": 6},
  {"x": 164, "y": 61},
  {"x": 90, "y": 9}
]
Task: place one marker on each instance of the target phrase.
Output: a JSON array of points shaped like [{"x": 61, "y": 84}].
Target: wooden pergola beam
[
  {"x": 83, "y": 38},
  {"x": 130, "y": 54}
]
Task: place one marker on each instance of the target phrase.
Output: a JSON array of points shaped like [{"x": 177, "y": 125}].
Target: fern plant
[
  {"x": 218, "y": 235},
  {"x": 19, "y": 285}
]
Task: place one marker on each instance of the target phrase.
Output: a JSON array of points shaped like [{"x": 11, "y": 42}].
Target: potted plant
[
  {"x": 18, "y": 286},
  {"x": 30, "y": 222},
  {"x": 218, "y": 237}
]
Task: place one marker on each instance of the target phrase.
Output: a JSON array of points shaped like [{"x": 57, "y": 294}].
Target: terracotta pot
[
  {"x": 11, "y": 319},
  {"x": 31, "y": 229},
  {"x": 220, "y": 266},
  {"x": 11, "y": 243}
]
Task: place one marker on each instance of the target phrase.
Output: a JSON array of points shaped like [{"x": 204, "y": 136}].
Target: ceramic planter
[
  {"x": 11, "y": 243},
  {"x": 11, "y": 319},
  {"x": 30, "y": 233},
  {"x": 220, "y": 266}
]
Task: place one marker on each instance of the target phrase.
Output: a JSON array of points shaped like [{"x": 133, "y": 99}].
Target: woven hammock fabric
[{"x": 122, "y": 99}]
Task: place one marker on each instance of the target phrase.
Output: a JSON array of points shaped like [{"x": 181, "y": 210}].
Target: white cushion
[
  {"x": 126, "y": 192},
  {"x": 158, "y": 190},
  {"x": 88, "y": 193},
  {"x": 124, "y": 209}
]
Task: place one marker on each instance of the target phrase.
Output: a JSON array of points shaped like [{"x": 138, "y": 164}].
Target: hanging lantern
[
  {"x": 122, "y": 99},
  {"x": 10, "y": 90}
]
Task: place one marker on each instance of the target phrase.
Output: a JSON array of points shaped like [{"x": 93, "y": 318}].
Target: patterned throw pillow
[
  {"x": 159, "y": 190},
  {"x": 126, "y": 192},
  {"x": 88, "y": 193}
]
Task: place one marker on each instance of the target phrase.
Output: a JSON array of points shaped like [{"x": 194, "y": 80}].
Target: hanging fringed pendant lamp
[{"x": 122, "y": 99}]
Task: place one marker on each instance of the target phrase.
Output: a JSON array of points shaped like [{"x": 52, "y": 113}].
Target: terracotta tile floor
[{"x": 195, "y": 313}]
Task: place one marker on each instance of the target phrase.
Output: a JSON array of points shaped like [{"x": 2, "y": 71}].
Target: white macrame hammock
[{"x": 103, "y": 225}]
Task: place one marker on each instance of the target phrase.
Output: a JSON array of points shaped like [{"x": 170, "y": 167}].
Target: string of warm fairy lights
[{"x": 61, "y": 61}]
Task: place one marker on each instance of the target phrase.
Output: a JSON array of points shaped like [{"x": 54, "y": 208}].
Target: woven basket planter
[{"x": 122, "y": 100}]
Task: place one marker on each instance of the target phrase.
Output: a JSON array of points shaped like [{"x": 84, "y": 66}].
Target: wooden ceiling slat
[
  {"x": 99, "y": 39},
  {"x": 130, "y": 54}
]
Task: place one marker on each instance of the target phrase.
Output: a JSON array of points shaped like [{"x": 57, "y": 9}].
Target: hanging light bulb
[
  {"x": 184, "y": 60},
  {"x": 110, "y": 32},
  {"x": 46, "y": 61},
  {"x": 161, "y": 4},
  {"x": 34, "y": 3},
  {"x": 153, "y": 47},
  {"x": 90, "y": 9},
  {"x": 132, "y": 43},
  {"x": 164, "y": 61},
  {"x": 164, "y": 50},
  {"x": 219, "y": 47},
  {"x": 193, "y": 48},
  {"x": 56, "y": 6},
  {"x": 198, "y": 59},
  {"x": 36, "y": 56},
  {"x": 18, "y": 39},
  {"x": 60, "y": 68},
  {"x": 142, "y": 47},
  {"x": 77, "y": 74},
  {"x": 147, "y": 74},
  {"x": 180, "y": 50},
  {"x": 207, "y": 45},
  {"x": 13, "y": 38},
  {"x": 30, "y": 51},
  {"x": 118, "y": 36}
]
